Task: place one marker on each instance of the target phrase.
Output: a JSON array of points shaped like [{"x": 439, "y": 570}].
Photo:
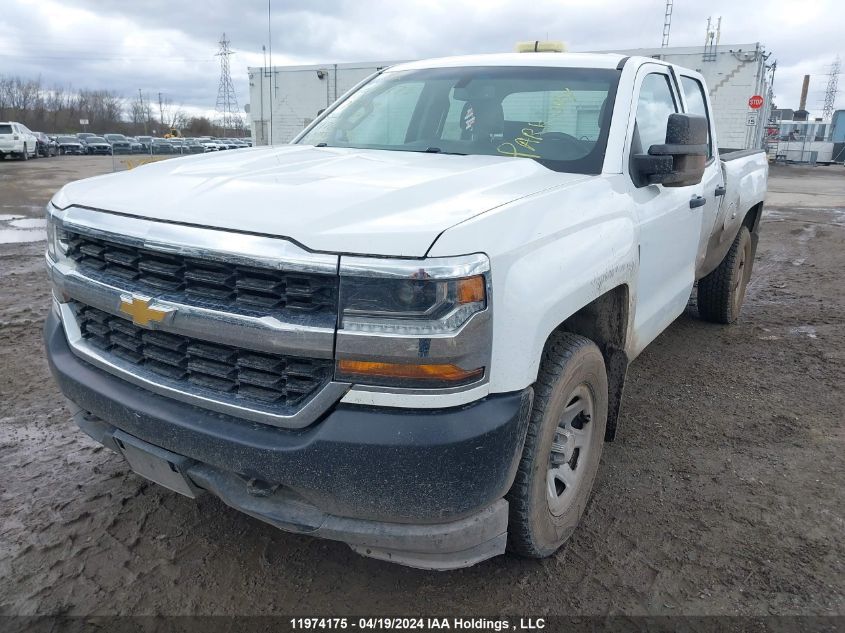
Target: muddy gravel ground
[{"x": 723, "y": 494}]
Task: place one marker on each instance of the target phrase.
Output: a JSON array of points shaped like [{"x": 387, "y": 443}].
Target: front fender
[{"x": 551, "y": 254}]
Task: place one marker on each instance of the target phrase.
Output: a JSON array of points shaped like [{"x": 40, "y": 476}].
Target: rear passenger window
[
  {"x": 696, "y": 104},
  {"x": 654, "y": 106}
]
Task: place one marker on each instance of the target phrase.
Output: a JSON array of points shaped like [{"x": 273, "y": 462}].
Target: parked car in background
[
  {"x": 17, "y": 140},
  {"x": 135, "y": 146},
  {"x": 194, "y": 146},
  {"x": 83, "y": 135},
  {"x": 98, "y": 145},
  {"x": 46, "y": 146},
  {"x": 70, "y": 145},
  {"x": 209, "y": 145},
  {"x": 161, "y": 146},
  {"x": 145, "y": 142},
  {"x": 119, "y": 143},
  {"x": 178, "y": 145}
]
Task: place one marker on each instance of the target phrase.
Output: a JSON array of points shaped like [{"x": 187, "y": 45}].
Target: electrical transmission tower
[
  {"x": 832, "y": 89},
  {"x": 667, "y": 24},
  {"x": 229, "y": 114}
]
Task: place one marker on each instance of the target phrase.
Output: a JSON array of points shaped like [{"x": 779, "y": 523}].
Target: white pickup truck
[{"x": 409, "y": 329}]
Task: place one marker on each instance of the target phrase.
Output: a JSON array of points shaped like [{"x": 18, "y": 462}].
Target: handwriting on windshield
[{"x": 524, "y": 145}]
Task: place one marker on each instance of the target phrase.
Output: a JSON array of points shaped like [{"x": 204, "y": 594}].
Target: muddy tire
[
  {"x": 722, "y": 292},
  {"x": 562, "y": 447}
]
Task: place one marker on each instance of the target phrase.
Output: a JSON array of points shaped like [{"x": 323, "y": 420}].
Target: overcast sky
[{"x": 169, "y": 45}]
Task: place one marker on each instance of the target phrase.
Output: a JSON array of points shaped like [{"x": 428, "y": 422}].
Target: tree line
[{"x": 58, "y": 109}]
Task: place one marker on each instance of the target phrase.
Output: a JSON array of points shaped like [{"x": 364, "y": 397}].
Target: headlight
[
  {"x": 415, "y": 305},
  {"x": 56, "y": 237},
  {"x": 402, "y": 322}
]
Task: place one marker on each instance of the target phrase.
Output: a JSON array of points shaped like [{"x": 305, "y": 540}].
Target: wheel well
[
  {"x": 605, "y": 322},
  {"x": 752, "y": 218}
]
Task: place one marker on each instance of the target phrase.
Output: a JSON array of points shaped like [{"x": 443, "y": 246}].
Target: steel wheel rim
[
  {"x": 570, "y": 451},
  {"x": 741, "y": 276}
]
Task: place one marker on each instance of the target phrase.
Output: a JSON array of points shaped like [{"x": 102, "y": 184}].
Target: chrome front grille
[
  {"x": 219, "y": 371},
  {"x": 204, "y": 281},
  {"x": 250, "y": 319}
]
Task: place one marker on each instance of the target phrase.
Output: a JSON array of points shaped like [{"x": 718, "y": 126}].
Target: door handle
[
  {"x": 721, "y": 191},
  {"x": 697, "y": 201}
]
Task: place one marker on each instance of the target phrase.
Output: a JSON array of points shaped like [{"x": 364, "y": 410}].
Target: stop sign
[{"x": 755, "y": 102}]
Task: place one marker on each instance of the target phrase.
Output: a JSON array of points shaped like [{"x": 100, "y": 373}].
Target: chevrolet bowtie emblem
[{"x": 141, "y": 312}]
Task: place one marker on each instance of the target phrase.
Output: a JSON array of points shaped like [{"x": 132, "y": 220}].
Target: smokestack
[
  {"x": 804, "y": 89},
  {"x": 801, "y": 113}
]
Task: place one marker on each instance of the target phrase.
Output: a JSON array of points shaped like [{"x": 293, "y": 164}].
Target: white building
[
  {"x": 284, "y": 99},
  {"x": 298, "y": 94},
  {"x": 734, "y": 74}
]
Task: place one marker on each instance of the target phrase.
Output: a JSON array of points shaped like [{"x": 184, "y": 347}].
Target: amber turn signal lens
[
  {"x": 440, "y": 373},
  {"x": 471, "y": 289}
]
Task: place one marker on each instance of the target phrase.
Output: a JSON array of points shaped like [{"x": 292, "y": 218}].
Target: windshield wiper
[{"x": 437, "y": 150}]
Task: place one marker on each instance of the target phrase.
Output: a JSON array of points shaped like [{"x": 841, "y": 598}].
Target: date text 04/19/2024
[{"x": 424, "y": 624}]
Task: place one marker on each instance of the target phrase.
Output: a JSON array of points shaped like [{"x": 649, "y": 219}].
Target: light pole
[{"x": 143, "y": 110}]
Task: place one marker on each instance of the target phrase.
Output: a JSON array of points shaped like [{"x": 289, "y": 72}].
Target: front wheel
[
  {"x": 562, "y": 447},
  {"x": 722, "y": 292}
]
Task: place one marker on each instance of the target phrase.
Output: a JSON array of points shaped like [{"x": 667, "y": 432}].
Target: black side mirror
[{"x": 681, "y": 160}]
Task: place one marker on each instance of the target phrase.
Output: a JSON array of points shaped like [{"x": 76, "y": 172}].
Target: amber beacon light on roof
[{"x": 540, "y": 46}]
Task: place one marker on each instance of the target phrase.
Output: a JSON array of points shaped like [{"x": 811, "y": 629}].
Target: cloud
[{"x": 169, "y": 47}]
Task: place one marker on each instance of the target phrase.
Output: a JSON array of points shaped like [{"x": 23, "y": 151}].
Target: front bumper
[{"x": 419, "y": 487}]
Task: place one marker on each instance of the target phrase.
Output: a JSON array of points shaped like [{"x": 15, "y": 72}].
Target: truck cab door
[
  {"x": 669, "y": 217},
  {"x": 712, "y": 184}
]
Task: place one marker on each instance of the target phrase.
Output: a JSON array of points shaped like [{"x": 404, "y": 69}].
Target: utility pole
[
  {"x": 160, "y": 111},
  {"x": 143, "y": 110},
  {"x": 272, "y": 73}
]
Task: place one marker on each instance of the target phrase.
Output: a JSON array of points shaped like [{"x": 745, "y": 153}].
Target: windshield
[
  {"x": 556, "y": 116},
  {"x": 95, "y": 139},
  {"x": 68, "y": 139}
]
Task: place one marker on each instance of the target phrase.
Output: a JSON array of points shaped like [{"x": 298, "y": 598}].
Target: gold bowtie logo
[{"x": 141, "y": 312}]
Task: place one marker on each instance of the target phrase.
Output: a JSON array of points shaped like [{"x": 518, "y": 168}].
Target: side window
[
  {"x": 390, "y": 118},
  {"x": 654, "y": 106},
  {"x": 696, "y": 104}
]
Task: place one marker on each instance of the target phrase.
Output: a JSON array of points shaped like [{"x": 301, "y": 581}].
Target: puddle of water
[
  {"x": 29, "y": 223},
  {"x": 31, "y": 207},
  {"x": 5, "y": 217},
  {"x": 22, "y": 236},
  {"x": 807, "y": 330}
]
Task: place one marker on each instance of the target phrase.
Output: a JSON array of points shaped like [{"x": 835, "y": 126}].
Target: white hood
[{"x": 327, "y": 199}]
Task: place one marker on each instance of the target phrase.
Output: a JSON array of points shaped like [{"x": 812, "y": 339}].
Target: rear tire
[
  {"x": 562, "y": 447},
  {"x": 25, "y": 153},
  {"x": 722, "y": 292}
]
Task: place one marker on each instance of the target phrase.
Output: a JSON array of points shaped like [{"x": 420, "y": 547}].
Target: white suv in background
[{"x": 16, "y": 139}]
